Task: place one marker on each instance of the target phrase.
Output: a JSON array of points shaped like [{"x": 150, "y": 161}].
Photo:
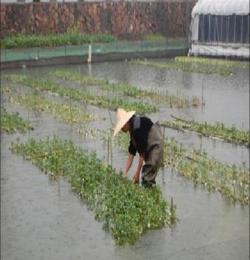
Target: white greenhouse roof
[{"x": 221, "y": 7}]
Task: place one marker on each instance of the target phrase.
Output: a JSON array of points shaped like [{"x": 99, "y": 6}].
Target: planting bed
[
  {"x": 127, "y": 210},
  {"x": 72, "y": 111},
  {"x": 130, "y": 90},
  {"x": 82, "y": 96},
  {"x": 198, "y": 65},
  {"x": 11, "y": 123},
  {"x": 218, "y": 130},
  {"x": 231, "y": 181}
]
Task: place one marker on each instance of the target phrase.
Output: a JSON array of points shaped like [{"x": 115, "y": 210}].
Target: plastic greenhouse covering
[
  {"x": 220, "y": 28},
  {"x": 221, "y": 7}
]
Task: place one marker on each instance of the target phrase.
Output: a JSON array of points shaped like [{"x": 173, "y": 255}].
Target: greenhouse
[{"x": 220, "y": 28}]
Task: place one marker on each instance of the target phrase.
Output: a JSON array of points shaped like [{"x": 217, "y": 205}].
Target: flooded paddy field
[{"x": 44, "y": 219}]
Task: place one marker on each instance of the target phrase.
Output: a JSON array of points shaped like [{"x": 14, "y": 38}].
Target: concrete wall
[{"x": 126, "y": 20}]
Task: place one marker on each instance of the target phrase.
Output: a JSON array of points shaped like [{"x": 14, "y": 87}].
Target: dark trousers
[{"x": 153, "y": 156}]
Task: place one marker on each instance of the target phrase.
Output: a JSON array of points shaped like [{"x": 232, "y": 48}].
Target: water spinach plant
[
  {"x": 218, "y": 130},
  {"x": 231, "y": 181},
  {"x": 82, "y": 96},
  {"x": 126, "y": 210},
  {"x": 214, "y": 62},
  {"x": 37, "y": 103},
  {"x": 171, "y": 100},
  {"x": 67, "y": 113},
  {"x": 12, "y": 123},
  {"x": 188, "y": 66}
]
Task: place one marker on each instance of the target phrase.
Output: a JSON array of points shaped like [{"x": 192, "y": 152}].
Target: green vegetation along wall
[{"x": 126, "y": 20}]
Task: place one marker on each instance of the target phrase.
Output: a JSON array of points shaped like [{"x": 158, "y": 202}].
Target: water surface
[{"x": 43, "y": 219}]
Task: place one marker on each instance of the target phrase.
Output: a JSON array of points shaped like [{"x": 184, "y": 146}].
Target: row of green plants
[
  {"x": 214, "y": 62},
  {"x": 175, "y": 64},
  {"x": 126, "y": 210},
  {"x": 65, "y": 112},
  {"x": 38, "y": 103},
  {"x": 231, "y": 181},
  {"x": 195, "y": 158},
  {"x": 228, "y": 179},
  {"x": 85, "y": 80},
  {"x": 82, "y": 95},
  {"x": 129, "y": 90},
  {"x": 218, "y": 130},
  {"x": 12, "y": 123},
  {"x": 53, "y": 40}
]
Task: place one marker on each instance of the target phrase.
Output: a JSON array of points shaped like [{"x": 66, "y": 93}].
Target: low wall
[{"x": 126, "y": 20}]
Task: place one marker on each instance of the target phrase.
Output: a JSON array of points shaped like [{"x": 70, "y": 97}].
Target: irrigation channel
[{"x": 42, "y": 218}]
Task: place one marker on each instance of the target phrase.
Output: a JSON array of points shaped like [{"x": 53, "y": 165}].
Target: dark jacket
[{"x": 139, "y": 129}]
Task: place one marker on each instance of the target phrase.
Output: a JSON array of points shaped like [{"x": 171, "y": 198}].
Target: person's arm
[
  {"x": 136, "y": 177},
  {"x": 128, "y": 164}
]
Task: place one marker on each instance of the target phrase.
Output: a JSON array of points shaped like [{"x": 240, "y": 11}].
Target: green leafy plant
[
  {"x": 53, "y": 40},
  {"x": 188, "y": 66},
  {"x": 12, "y": 122},
  {"x": 127, "y": 210},
  {"x": 82, "y": 96},
  {"x": 63, "y": 111},
  {"x": 218, "y": 130},
  {"x": 129, "y": 90},
  {"x": 214, "y": 62},
  {"x": 231, "y": 181}
]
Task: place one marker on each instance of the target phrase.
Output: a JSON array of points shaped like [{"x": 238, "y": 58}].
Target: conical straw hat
[{"x": 122, "y": 118}]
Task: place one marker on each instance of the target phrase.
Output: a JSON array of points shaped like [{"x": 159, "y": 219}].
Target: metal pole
[
  {"x": 90, "y": 54},
  {"x": 111, "y": 150},
  {"x": 108, "y": 150},
  {"x": 209, "y": 28},
  {"x": 234, "y": 28},
  {"x": 241, "y": 38},
  {"x": 221, "y": 29}
]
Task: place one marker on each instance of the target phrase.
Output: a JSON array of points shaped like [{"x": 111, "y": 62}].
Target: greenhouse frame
[{"x": 220, "y": 28}]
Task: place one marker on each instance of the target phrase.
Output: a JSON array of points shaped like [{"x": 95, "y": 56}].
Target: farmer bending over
[{"x": 146, "y": 139}]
